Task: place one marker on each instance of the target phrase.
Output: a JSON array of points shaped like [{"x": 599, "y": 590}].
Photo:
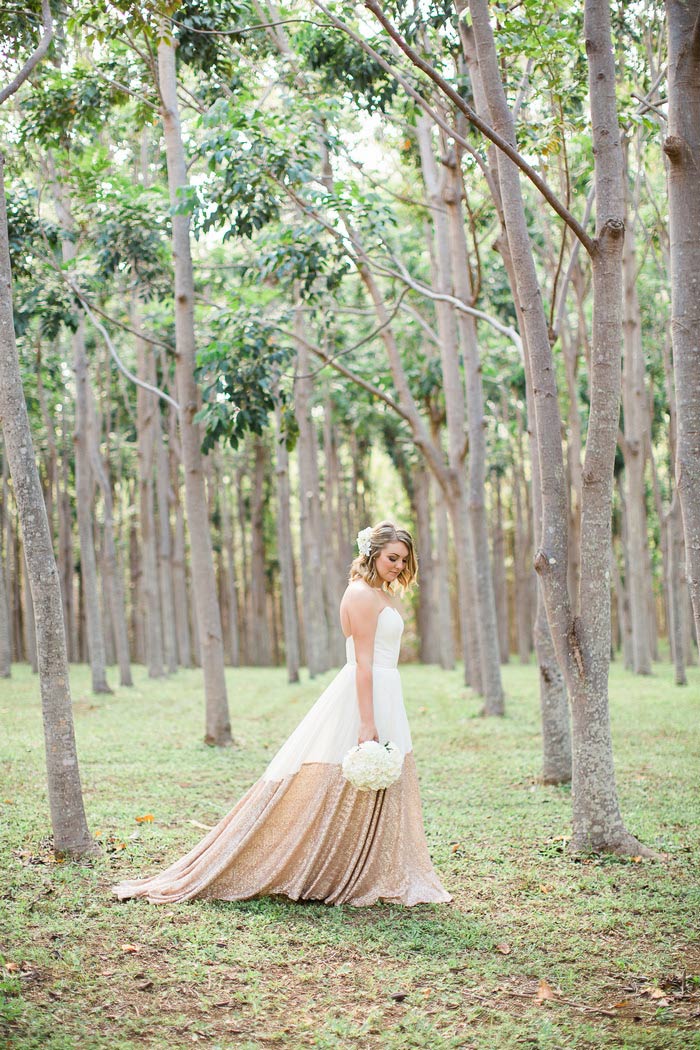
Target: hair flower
[{"x": 363, "y": 541}]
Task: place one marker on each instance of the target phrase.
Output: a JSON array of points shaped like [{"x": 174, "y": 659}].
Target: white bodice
[{"x": 387, "y": 640}]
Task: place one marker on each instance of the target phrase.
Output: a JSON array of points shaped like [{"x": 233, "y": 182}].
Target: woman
[{"x": 302, "y": 830}]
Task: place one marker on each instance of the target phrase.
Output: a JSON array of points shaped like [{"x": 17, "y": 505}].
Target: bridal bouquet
[{"x": 371, "y": 766}]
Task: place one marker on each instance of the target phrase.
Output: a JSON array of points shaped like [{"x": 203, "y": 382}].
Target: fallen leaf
[
  {"x": 132, "y": 949},
  {"x": 456, "y": 846},
  {"x": 147, "y": 818},
  {"x": 637, "y": 860},
  {"x": 657, "y": 993},
  {"x": 621, "y": 1004},
  {"x": 503, "y": 948},
  {"x": 545, "y": 889},
  {"x": 12, "y": 967},
  {"x": 144, "y": 986},
  {"x": 544, "y": 991}
]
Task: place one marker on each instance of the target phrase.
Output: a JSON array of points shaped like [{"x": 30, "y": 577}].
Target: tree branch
[
  {"x": 110, "y": 346},
  {"x": 458, "y": 304},
  {"x": 481, "y": 125},
  {"x": 35, "y": 57},
  {"x": 364, "y": 383}
]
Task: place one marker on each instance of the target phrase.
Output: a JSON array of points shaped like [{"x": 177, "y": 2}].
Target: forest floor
[{"x": 538, "y": 950}]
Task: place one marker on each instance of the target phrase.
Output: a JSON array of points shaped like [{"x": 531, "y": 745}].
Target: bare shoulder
[{"x": 358, "y": 598}]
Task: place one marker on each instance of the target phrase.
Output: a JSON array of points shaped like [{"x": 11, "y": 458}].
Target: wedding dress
[{"x": 302, "y": 830}]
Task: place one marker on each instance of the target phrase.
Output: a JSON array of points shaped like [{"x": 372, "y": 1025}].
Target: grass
[{"x": 615, "y": 943}]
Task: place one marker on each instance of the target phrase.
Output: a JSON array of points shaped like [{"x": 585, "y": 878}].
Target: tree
[
  {"x": 218, "y": 726},
  {"x": 71, "y": 833},
  {"x": 682, "y": 148}
]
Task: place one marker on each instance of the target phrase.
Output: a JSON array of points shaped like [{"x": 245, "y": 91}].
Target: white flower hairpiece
[{"x": 363, "y": 541}]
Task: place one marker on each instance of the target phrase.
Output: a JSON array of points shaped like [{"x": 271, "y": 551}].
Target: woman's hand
[{"x": 368, "y": 731}]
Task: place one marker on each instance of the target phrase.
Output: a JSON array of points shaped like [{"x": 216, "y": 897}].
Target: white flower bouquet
[{"x": 370, "y": 766}]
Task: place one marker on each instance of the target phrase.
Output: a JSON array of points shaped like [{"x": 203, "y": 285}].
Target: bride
[{"x": 302, "y": 830}]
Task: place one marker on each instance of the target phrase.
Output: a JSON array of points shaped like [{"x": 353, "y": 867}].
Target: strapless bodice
[{"x": 387, "y": 640}]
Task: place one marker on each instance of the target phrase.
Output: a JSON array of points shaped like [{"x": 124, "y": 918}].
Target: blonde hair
[{"x": 364, "y": 565}]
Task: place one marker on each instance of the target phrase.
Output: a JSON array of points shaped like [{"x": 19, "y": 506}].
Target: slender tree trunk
[
  {"x": 5, "y": 641},
  {"x": 428, "y": 607},
  {"x": 230, "y": 577},
  {"x": 487, "y": 628},
  {"x": 146, "y": 422},
  {"x": 682, "y": 148},
  {"x": 285, "y": 553},
  {"x": 522, "y": 561},
  {"x": 634, "y": 447},
  {"x": 336, "y": 566},
  {"x": 84, "y": 504},
  {"x": 498, "y": 558},
  {"x": 442, "y": 582},
  {"x": 315, "y": 624},
  {"x": 112, "y": 570},
  {"x": 82, "y": 438},
  {"x": 262, "y": 653},
  {"x": 70, "y": 830},
  {"x": 675, "y": 622},
  {"x": 165, "y": 552},
  {"x": 28, "y": 620},
  {"x": 65, "y": 548},
  {"x": 179, "y": 561},
  {"x": 218, "y": 726}
]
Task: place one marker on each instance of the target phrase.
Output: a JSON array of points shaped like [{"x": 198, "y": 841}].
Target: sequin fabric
[{"x": 302, "y": 830}]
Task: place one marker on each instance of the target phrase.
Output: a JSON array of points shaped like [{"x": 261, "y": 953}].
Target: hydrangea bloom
[
  {"x": 363, "y": 540},
  {"x": 371, "y": 766}
]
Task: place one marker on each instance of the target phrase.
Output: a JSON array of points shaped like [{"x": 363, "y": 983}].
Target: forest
[{"x": 273, "y": 273}]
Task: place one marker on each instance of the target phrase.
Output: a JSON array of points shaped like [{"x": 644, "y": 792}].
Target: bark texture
[
  {"x": 583, "y": 642},
  {"x": 71, "y": 834},
  {"x": 682, "y": 148},
  {"x": 218, "y": 727}
]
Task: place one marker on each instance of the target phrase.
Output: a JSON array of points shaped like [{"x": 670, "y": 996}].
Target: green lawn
[{"x": 616, "y": 942}]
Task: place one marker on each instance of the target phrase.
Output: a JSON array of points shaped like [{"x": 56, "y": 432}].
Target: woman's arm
[{"x": 363, "y": 614}]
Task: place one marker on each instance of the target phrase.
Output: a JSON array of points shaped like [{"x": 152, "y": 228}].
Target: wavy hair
[{"x": 364, "y": 565}]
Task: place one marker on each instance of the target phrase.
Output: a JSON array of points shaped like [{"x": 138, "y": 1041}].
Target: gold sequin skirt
[
  {"x": 303, "y": 831},
  {"x": 310, "y": 836}
]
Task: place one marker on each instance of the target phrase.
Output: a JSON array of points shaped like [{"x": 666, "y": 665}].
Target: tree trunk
[
  {"x": 442, "y": 582},
  {"x": 111, "y": 569},
  {"x": 485, "y": 608},
  {"x": 675, "y": 622},
  {"x": 428, "y": 609},
  {"x": 82, "y": 439},
  {"x": 179, "y": 561},
  {"x": 70, "y": 830},
  {"x": 28, "y": 618},
  {"x": 146, "y": 422},
  {"x": 65, "y": 547},
  {"x": 285, "y": 553},
  {"x": 522, "y": 567},
  {"x": 336, "y": 565},
  {"x": 634, "y": 447},
  {"x": 262, "y": 652},
  {"x": 582, "y": 643},
  {"x": 682, "y": 147},
  {"x": 218, "y": 727},
  {"x": 498, "y": 561},
  {"x": 315, "y": 624},
  {"x": 5, "y": 644},
  {"x": 165, "y": 552}
]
